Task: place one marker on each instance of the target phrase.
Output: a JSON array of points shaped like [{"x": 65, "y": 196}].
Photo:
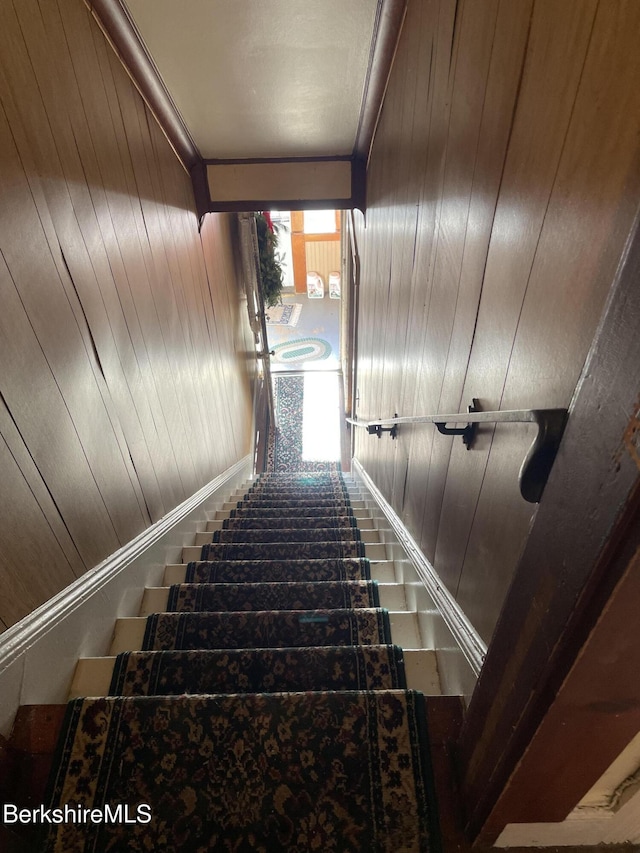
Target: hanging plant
[{"x": 271, "y": 274}]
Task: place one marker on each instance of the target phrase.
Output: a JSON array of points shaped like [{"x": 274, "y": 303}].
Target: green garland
[{"x": 270, "y": 267}]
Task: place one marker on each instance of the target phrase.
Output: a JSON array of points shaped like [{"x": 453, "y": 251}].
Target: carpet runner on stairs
[{"x": 267, "y": 709}]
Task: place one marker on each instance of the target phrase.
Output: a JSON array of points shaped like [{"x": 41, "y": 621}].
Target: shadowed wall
[
  {"x": 503, "y": 182},
  {"x": 123, "y": 342}
]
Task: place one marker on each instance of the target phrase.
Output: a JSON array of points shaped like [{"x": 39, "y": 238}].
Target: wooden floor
[
  {"x": 124, "y": 344},
  {"x": 503, "y": 182}
]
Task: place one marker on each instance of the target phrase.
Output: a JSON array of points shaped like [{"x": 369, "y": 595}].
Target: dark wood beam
[
  {"x": 595, "y": 714},
  {"x": 582, "y": 539},
  {"x": 121, "y": 31}
]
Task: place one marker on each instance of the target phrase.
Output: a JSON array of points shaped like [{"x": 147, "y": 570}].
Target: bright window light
[
  {"x": 319, "y": 221},
  {"x": 321, "y": 418}
]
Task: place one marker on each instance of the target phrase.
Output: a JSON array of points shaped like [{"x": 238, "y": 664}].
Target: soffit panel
[{"x": 281, "y": 78}]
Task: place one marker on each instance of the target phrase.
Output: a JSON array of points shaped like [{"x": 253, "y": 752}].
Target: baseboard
[
  {"x": 465, "y": 635},
  {"x": 38, "y": 654}
]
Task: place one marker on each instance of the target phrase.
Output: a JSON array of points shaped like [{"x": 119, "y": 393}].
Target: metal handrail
[{"x": 536, "y": 467}]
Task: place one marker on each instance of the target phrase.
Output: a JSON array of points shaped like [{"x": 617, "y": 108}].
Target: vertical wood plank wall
[
  {"x": 503, "y": 181},
  {"x": 124, "y": 347}
]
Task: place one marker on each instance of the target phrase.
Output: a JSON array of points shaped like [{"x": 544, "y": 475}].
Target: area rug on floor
[
  {"x": 297, "y": 772},
  {"x": 284, "y": 315},
  {"x": 258, "y": 670}
]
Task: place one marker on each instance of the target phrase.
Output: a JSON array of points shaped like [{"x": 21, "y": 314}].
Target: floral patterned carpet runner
[{"x": 267, "y": 709}]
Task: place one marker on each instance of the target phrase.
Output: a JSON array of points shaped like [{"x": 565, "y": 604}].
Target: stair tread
[
  {"x": 264, "y": 734},
  {"x": 239, "y": 636}
]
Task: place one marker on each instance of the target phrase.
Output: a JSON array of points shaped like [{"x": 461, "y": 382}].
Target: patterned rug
[
  {"x": 249, "y": 772},
  {"x": 309, "y": 511},
  {"x": 281, "y": 550},
  {"x": 266, "y": 710},
  {"x": 296, "y": 504},
  {"x": 273, "y": 596},
  {"x": 263, "y": 629},
  {"x": 285, "y": 443},
  {"x": 278, "y": 571},
  {"x": 283, "y": 315},
  {"x": 258, "y": 670},
  {"x": 289, "y": 535},
  {"x": 307, "y": 521}
]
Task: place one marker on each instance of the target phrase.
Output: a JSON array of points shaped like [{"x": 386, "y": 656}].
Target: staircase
[{"x": 262, "y": 699}]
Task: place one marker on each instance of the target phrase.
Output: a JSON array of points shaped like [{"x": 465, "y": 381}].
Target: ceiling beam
[
  {"x": 390, "y": 16},
  {"x": 120, "y": 30}
]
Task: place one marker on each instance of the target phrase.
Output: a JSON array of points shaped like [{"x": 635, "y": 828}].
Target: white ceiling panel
[{"x": 262, "y": 78}]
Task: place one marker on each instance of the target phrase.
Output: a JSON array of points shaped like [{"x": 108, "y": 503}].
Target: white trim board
[
  {"x": 38, "y": 654},
  {"x": 465, "y": 635}
]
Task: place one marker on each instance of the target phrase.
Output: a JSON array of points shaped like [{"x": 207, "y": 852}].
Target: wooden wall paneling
[
  {"x": 39, "y": 154},
  {"x": 40, "y": 412},
  {"x": 543, "y": 110},
  {"x": 434, "y": 107},
  {"x": 168, "y": 281},
  {"x": 591, "y": 210},
  {"x": 42, "y": 295},
  {"x": 243, "y": 347},
  {"x": 182, "y": 228},
  {"x": 173, "y": 206},
  {"x": 77, "y": 24},
  {"x": 418, "y": 440},
  {"x": 162, "y": 296},
  {"x": 35, "y": 566},
  {"x": 225, "y": 293},
  {"x": 583, "y": 539},
  {"x": 376, "y": 279},
  {"x": 221, "y": 298},
  {"x": 38, "y": 556},
  {"x": 41, "y": 494},
  {"x": 107, "y": 258},
  {"x": 219, "y": 331},
  {"x": 222, "y": 324},
  {"x": 408, "y": 82},
  {"x": 415, "y": 442},
  {"x": 549, "y": 782},
  {"x": 475, "y": 35},
  {"x": 130, "y": 387},
  {"x": 494, "y": 130}
]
